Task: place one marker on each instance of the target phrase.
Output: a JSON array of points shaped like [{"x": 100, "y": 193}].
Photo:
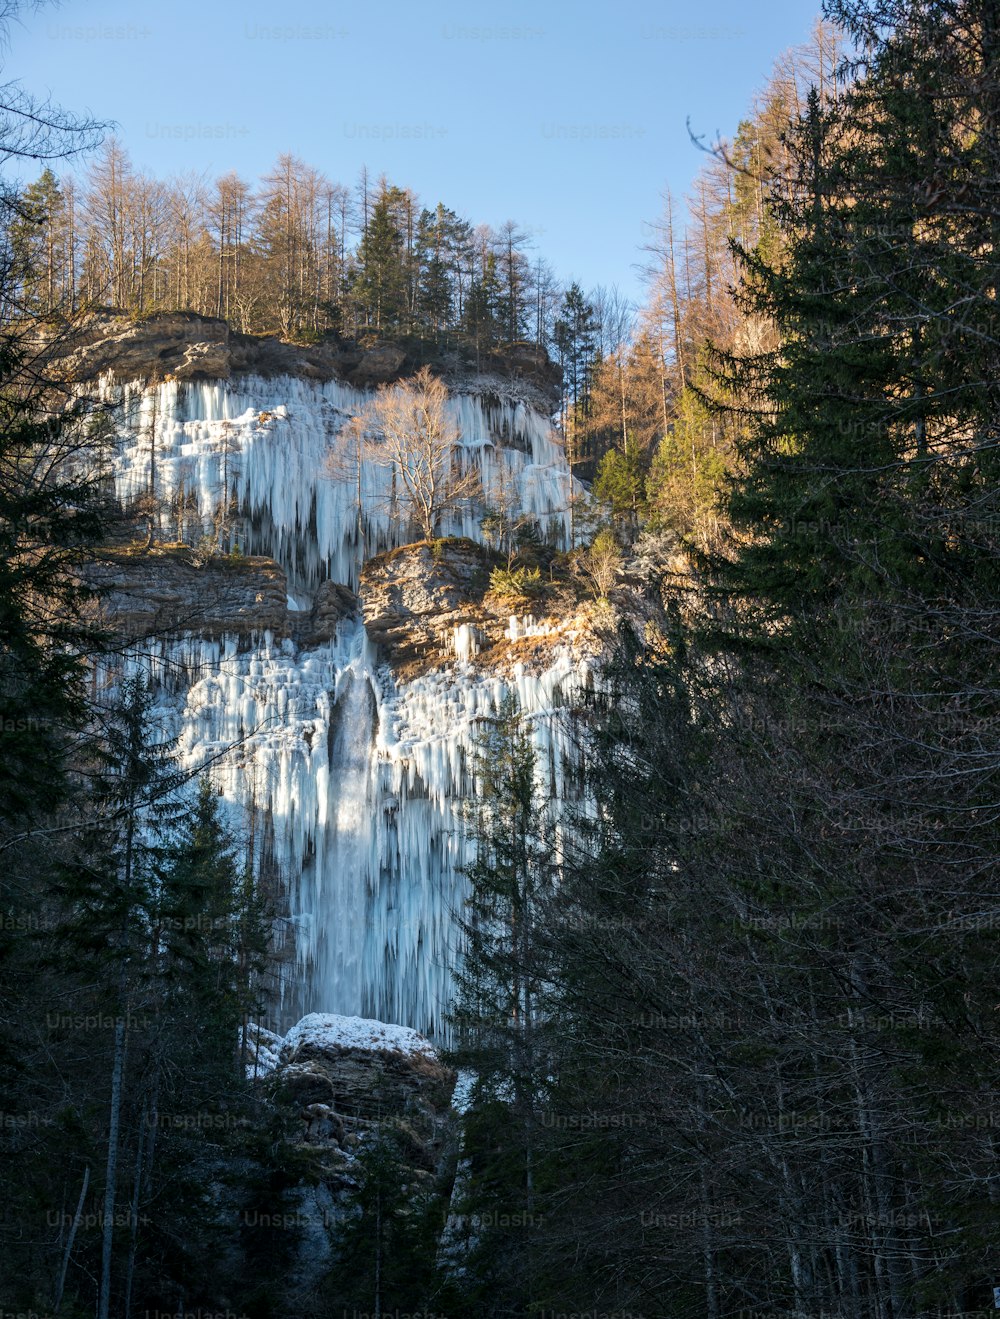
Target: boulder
[
  {"x": 344, "y": 1077},
  {"x": 340, "y": 1080}
]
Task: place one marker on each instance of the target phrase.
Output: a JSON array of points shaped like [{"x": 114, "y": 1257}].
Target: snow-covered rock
[
  {"x": 328, "y": 1031},
  {"x": 263, "y": 1051},
  {"x": 346, "y": 1076}
]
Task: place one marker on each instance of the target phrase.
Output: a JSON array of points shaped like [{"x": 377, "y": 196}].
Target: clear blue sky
[{"x": 566, "y": 117}]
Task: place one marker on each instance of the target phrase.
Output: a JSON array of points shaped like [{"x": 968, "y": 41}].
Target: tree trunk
[
  {"x": 111, "y": 1170},
  {"x": 134, "y": 1212},
  {"x": 61, "y": 1280}
]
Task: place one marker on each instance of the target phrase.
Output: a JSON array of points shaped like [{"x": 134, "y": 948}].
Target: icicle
[{"x": 364, "y": 784}]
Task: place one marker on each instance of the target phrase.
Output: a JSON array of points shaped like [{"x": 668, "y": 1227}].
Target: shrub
[{"x": 516, "y": 583}]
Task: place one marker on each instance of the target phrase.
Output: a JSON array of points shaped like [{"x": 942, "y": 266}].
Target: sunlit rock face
[{"x": 357, "y": 771}]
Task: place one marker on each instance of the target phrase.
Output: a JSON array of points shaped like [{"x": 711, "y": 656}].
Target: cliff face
[
  {"x": 332, "y": 674},
  {"x": 185, "y": 346},
  {"x": 169, "y": 591}
]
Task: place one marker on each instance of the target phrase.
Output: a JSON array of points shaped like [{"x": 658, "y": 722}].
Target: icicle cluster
[{"x": 278, "y": 451}]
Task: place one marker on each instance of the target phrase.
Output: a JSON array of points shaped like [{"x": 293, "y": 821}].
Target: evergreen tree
[
  {"x": 109, "y": 893},
  {"x": 481, "y": 318},
  {"x": 380, "y": 282},
  {"x": 867, "y": 464},
  {"x": 210, "y": 943},
  {"x": 575, "y": 341},
  {"x": 574, "y": 337},
  {"x": 686, "y": 474},
  {"x": 497, "y": 1014},
  {"x": 512, "y": 266},
  {"x": 37, "y": 245},
  {"x": 618, "y": 486},
  {"x": 440, "y": 237},
  {"x": 51, "y": 516}
]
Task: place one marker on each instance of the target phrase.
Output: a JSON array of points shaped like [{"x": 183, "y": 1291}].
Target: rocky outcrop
[
  {"x": 338, "y": 1083},
  {"x": 181, "y": 345},
  {"x": 427, "y": 604},
  {"x": 185, "y": 346},
  {"x": 167, "y": 590},
  {"x": 363, "y": 1072},
  {"x": 343, "y": 1077},
  {"x": 381, "y": 363},
  {"x": 413, "y": 598},
  {"x": 174, "y": 344}
]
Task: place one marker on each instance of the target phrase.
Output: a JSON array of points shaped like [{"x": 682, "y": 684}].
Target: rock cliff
[
  {"x": 185, "y": 346},
  {"x": 170, "y": 590}
]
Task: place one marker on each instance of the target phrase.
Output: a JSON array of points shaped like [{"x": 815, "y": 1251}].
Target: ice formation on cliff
[
  {"x": 362, "y": 780},
  {"x": 278, "y": 451}
]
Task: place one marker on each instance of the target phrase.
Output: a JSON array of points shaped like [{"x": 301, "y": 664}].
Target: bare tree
[
  {"x": 408, "y": 430},
  {"x": 600, "y": 563}
]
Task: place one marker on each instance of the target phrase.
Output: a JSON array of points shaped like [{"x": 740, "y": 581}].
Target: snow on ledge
[{"x": 326, "y": 1030}]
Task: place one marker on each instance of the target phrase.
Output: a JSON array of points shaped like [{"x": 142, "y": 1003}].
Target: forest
[{"x": 725, "y": 1014}]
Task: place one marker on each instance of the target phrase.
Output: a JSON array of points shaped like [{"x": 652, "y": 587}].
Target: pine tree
[
  {"x": 209, "y": 947},
  {"x": 109, "y": 893},
  {"x": 212, "y": 932},
  {"x": 574, "y": 335},
  {"x": 437, "y": 236},
  {"x": 867, "y": 495},
  {"x": 481, "y": 315},
  {"x": 686, "y": 474},
  {"x": 38, "y": 246}
]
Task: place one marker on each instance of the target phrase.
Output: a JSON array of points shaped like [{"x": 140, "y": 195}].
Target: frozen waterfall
[
  {"x": 273, "y": 459},
  {"x": 361, "y": 781}
]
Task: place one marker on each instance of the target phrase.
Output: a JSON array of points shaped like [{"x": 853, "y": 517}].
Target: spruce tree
[
  {"x": 380, "y": 283},
  {"x": 866, "y": 499},
  {"x": 36, "y": 248}
]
